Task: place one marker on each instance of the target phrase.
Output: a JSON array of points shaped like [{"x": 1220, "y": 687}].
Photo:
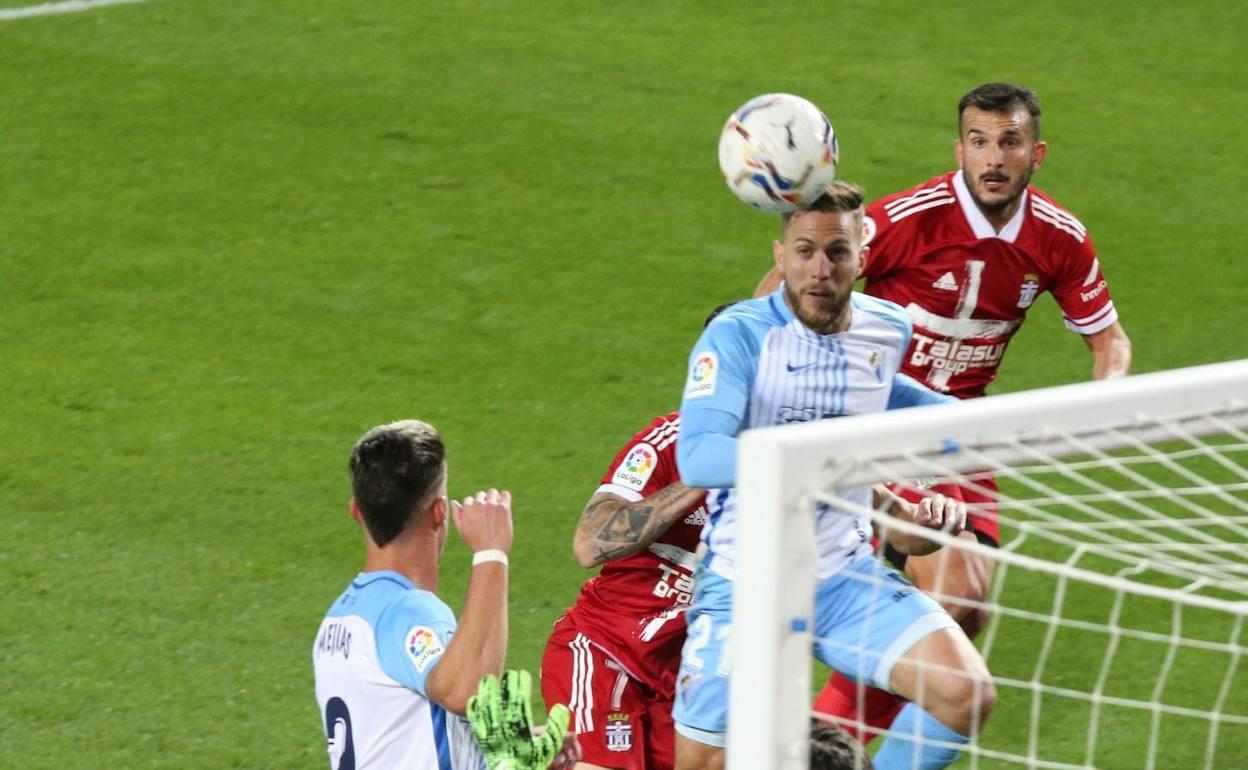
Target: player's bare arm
[
  {"x": 1111, "y": 352},
  {"x": 612, "y": 527},
  {"x": 480, "y": 642},
  {"x": 770, "y": 282},
  {"x": 933, "y": 512}
]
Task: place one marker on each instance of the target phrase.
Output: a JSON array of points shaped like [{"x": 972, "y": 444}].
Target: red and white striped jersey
[
  {"x": 967, "y": 287},
  {"x": 634, "y": 608}
]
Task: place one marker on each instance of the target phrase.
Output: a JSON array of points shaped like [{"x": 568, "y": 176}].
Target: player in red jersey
[
  {"x": 613, "y": 656},
  {"x": 966, "y": 254}
]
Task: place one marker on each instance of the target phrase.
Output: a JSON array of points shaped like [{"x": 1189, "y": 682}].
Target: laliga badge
[
  {"x": 422, "y": 646},
  {"x": 636, "y": 468},
  {"x": 702, "y": 376}
]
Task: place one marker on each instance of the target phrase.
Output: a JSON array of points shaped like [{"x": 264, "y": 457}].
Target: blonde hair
[{"x": 839, "y": 196}]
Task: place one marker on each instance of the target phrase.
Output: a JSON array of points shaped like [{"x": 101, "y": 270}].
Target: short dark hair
[
  {"x": 1001, "y": 97},
  {"x": 839, "y": 196},
  {"x": 831, "y": 748},
  {"x": 715, "y": 313},
  {"x": 394, "y": 468}
]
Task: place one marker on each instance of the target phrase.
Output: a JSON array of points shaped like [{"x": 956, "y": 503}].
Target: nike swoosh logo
[{"x": 793, "y": 368}]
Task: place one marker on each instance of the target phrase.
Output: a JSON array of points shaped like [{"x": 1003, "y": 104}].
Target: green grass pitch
[{"x": 235, "y": 235}]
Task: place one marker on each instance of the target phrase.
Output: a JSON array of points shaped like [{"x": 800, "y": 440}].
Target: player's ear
[
  {"x": 438, "y": 510},
  {"x": 777, "y": 251},
  {"x": 862, "y": 259},
  {"x": 355, "y": 512},
  {"x": 1038, "y": 155},
  {"x": 957, "y": 151}
]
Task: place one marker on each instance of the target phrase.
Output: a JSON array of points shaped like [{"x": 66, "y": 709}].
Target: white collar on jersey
[{"x": 976, "y": 219}]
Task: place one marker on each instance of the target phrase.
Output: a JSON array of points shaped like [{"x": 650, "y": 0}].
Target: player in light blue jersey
[
  {"x": 812, "y": 350},
  {"x": 393, "y": 669}
]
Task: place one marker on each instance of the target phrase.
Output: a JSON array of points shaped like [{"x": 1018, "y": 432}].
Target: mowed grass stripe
[{"x": 236, "y": 236}]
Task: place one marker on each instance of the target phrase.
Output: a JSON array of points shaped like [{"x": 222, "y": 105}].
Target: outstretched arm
[
  {"x": 1111, "y": 352},
  {"x": 933, "y": 512},
  {"x": 908, "y": 392},
  {"x": 612, "y": 527}
]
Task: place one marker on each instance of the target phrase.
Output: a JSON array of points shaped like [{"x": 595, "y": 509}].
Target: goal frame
[{"x": 775, "y": 572}]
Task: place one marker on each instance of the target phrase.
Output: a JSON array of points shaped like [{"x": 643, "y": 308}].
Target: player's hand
[
  {"x": 569, "y": 755},
  {"x": 484, "y": 520},
  {"x": 937, "y": 511},
  {"x": 501, "y": 715}
]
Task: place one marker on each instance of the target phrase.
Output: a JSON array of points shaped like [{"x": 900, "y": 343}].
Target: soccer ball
[{"x": 778, "y": 152}]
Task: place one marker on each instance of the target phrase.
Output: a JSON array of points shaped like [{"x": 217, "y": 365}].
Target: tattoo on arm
[
  {"x": 615, "y": 530},
  {"x": 627, "y": 524}
]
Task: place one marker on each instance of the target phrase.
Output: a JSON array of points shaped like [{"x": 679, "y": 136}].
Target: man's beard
[
  {"x": 1001, "y": 206},
  {"x": 824, "y": 320}
]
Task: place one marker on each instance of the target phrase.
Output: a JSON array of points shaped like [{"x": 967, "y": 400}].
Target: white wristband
[{"x": 490, "y": 554}]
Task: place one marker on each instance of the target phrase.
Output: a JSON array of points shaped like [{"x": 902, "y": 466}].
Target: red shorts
[{"x": 619, "y": 722}]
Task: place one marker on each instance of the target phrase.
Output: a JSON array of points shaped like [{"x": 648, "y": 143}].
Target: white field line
[{"x": 68, "y": 6}]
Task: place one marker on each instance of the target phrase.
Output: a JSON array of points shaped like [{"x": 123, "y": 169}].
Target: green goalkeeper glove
[{"x": 501, "y": 715}]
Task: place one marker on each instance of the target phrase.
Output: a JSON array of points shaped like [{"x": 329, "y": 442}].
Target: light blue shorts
[{"x": 866, "y": 617}]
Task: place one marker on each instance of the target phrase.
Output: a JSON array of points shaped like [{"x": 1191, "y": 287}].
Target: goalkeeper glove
[{"x": 501, "y": 715}]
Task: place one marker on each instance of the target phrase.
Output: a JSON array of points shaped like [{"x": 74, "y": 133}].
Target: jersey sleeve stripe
[
  {"x": 619, "y": 491},
  {"x": 1096, "y": 268},
  {"x": 919, "y": 197},
  {"x": 931, "y": 204},
  {"x": 662, "y": 430},
  {"x": 1092, "y": 317},
  {"x": 1061, "y": 214},
  {"x": 1092, "y": 327},
  {"x": 1044, "y": 217}
]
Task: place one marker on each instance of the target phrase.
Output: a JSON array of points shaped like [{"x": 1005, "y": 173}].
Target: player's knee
[
  {"x": 984, "y": 702},
  {"x": 969, "y": 702},
  {"x": 962, "y": 701},
  {"x": 694, "y": 755},
  {"x": 709, "y": 762}
]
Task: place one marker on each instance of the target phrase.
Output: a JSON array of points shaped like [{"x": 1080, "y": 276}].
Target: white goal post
[{"x": 1121, "y": 584}]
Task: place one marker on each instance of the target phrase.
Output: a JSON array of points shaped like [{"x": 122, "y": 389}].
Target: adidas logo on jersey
[
  {"x": 946, "y": 282},
  {"x": 698, "y": 517}
]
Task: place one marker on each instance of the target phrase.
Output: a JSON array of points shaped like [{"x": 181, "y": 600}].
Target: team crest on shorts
[{"x": 619, "y": 731}]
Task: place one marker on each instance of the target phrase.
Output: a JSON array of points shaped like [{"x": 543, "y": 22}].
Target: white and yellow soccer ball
[{"x": 778, "y": 152}]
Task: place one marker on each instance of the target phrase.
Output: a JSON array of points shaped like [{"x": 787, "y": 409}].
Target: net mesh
[{"x": 1118, "y": 594}]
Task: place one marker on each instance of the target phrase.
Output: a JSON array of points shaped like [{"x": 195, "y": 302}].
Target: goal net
[{"x": 1120, "y": 590}]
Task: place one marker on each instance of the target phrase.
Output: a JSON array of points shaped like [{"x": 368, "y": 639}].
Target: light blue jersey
[
  {"x": 373, "y": 654},
  {"x": 755, "y": 366}
]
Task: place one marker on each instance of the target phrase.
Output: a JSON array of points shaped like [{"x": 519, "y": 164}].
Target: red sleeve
[
  {"x": 886, "y": 251},
  {"x": 646, "y": 464},
  {"x": 1081, "y": 290}
]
